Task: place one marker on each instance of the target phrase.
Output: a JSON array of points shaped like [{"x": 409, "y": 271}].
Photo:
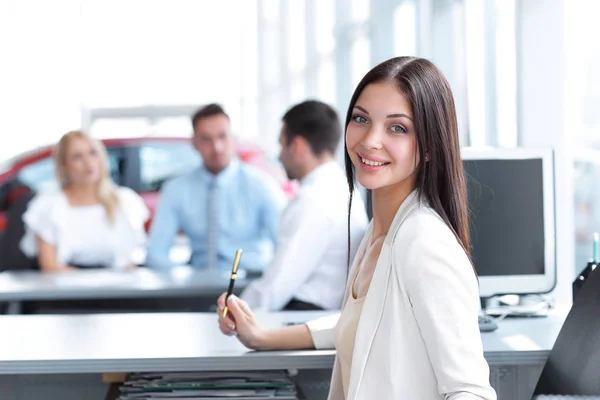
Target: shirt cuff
[{"x": 321, "y": 330}]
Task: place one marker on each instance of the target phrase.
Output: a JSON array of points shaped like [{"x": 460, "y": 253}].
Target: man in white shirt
[{"x": 308, "y": 271}]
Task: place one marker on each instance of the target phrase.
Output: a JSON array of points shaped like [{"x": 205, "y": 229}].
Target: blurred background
[{"x": 523, "y": 72}]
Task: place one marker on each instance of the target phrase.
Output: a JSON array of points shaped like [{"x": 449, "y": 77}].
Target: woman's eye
[
  {"x": 398, "y": 129},
  {"x": 360, "y": 119}
]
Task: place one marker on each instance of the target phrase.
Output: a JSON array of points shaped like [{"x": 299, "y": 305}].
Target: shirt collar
[
  {"x": 223, "y": 177},
  {"x": 313, "y": 175}
]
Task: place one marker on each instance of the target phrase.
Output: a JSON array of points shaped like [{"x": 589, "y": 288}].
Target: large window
[
  {"x": 586, "y": 184},
  {"x": 296, "y": 60},
  {"x": 506, "y": 72},
  {"x": 360, "y": 58},
  {"x": 405, "y": 29},
  {"x": 324, "y": 62},
  {"x": 582, "y": 87},
  {"x": 474, "y": 43}
]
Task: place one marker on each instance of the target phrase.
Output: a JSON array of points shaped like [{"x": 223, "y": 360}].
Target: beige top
[
  {"x": 345, "y": 329},
  {"x": 344, "y": 334}
]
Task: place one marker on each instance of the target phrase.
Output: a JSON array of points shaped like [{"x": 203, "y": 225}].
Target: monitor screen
[
  {"x": 511, "y": 219},
  {"x": 506, "y": 210}
]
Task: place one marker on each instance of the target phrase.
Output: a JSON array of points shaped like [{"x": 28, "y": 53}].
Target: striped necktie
[{"x": 213, "y": 225}]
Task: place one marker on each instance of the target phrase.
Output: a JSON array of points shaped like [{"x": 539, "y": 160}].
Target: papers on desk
[{"x": 237, "y": 385}]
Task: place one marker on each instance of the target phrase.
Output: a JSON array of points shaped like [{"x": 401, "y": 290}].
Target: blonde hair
[{"x": 106, "y": 189}]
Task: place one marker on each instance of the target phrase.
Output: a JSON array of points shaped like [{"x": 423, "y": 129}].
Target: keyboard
[{"x": 487, "y": 323}]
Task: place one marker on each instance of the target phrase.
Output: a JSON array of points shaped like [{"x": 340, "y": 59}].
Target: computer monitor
[{"x": 511, "y": 210}]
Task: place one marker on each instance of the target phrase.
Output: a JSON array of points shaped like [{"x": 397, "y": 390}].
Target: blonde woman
[{"x": 89, "y": 222}]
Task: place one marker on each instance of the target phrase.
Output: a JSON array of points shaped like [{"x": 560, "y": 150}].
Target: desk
[
  {"x": 17, "y": 287},
  {"x": 517, "y": 352},
  {"x": 63, "y": 356}
]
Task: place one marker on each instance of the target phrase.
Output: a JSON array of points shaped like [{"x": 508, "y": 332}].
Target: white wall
[
  {"x": 40, "y": 74},
  {"x": 62, "y": 56}
]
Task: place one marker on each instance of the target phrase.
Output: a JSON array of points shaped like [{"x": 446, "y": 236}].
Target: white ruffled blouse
[{"x": 50, "y": 216}]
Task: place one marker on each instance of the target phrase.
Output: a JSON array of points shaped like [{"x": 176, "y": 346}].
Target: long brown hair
[
  {"x": 106, "y": 190},
  {"x": 441, "y": 180}
]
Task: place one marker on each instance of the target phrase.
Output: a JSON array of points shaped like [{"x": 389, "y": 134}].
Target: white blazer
[{"x": 418, "y": 336}]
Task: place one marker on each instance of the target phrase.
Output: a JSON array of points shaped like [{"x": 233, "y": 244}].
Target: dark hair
[
  {"x": 316, "y": 122},
  {"x": 440, "y": 180},
  {"x": 208, "y": 111}
]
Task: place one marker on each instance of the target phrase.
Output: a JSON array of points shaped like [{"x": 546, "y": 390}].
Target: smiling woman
[
  {"x": 416, "y": 122},
  {"x": 409, "y": 322},
  {"x": 379, "y": 133}
]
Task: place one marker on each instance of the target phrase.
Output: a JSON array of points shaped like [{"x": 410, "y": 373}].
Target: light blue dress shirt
[{"x": 249, "y": 207}]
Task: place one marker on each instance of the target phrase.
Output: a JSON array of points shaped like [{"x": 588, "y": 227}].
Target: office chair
[
  {"x": 573, "y": 366},
  {"x": 11, "y": 256}
]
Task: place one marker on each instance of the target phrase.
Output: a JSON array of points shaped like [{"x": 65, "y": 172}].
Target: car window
[
  {"x": 115, "y": 164},
  {"x": 41, "y": 175},
  {"x": 162, "y": 161}
]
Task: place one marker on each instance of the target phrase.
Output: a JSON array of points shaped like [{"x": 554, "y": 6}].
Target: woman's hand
[{"x": 240, "y": 321}]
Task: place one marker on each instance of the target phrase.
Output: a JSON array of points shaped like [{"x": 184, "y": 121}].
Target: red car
[{"x": 142, "y": 164}]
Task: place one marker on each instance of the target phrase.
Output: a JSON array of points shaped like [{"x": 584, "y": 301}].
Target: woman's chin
[
  {"x": 369, "y": 184},
  {"x": 86, "y": 182}
]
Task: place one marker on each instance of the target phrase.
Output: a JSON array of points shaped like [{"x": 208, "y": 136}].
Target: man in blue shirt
[{"x": 221, "y": 206}]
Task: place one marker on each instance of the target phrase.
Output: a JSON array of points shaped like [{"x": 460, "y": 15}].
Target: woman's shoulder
[
  {"x": 425, "y": 245},
  {"x": 423, "y": 223},
  {"x": 47, "y": 206},
  {"x": 49, "y": 198},
  {"x": 127, "y": 193},
  {"x": 131, "y": 202},
  {"x": 128, "y": 198}
]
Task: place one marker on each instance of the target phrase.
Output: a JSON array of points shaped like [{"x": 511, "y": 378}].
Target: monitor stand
[{"x": 517, "y": 306}]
